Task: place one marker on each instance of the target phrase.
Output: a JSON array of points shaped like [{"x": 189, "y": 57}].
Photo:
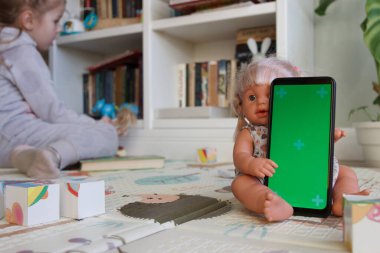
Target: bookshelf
[{"x": 167, "y": 41}]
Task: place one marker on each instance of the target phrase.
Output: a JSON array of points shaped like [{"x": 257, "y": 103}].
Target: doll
[{"x": 251, "y": 104}]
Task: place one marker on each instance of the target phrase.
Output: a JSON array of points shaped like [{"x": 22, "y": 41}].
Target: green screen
[{"x": 299, "y": 143}]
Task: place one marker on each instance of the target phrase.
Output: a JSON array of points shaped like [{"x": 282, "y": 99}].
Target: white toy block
[
  {"x": 81, "y": 199},
  {"x": 31, "y": 203},
  {"x": 361, "y": 223}
]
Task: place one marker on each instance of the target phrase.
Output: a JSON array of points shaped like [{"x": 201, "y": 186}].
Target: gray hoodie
[{"x": 32, "y": 114}]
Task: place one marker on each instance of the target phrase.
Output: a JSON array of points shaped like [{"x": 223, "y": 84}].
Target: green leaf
[
  {"x": 377, "y": 101},
  {"x": 322, "y": 7},
  {"x": 371, "y": 31}
]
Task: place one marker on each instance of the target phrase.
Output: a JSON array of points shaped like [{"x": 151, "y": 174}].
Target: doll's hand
[
  {"x": 338, "y": 134},
  {"x": 261, "y": 167}
]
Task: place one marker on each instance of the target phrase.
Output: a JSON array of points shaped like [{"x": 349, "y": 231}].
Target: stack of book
[
  {"x": 207, "y": 83},
  {"x": 118, "y": 80},
  {"x": 113, "y": 12}
]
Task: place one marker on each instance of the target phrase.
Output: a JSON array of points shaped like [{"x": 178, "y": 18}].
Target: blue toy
[{"x": 104, "y": 109}]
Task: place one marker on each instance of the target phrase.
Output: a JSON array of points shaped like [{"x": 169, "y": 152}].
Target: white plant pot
[{"x": 368, "y": 135}]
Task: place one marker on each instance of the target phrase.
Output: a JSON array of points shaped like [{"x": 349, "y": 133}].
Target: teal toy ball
[{"x": 90, "y": 21}]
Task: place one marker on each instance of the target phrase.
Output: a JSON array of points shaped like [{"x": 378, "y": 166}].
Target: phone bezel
[{"x": 308, "y": 81}]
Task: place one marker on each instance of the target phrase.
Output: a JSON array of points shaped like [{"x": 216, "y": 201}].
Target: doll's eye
[{"x": 252, "y": 97}]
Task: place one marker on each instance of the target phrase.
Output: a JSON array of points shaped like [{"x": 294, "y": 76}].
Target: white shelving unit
[{"x": 167, "y": 41}]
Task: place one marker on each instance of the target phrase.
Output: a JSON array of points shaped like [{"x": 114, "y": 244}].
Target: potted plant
[{"x": 368, "y": 133}]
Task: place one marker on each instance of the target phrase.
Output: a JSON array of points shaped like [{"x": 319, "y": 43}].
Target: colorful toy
[
  {"x": 104, "y": 109},
  {"x": 91, "y": 19},
  {"x": 25, "y": 202},
  {"x": 72, "y": 26},
  {"x": 123, "y": 117},
  {"x": 82, "y": 199},
  {"x": 207, "y": 155}
]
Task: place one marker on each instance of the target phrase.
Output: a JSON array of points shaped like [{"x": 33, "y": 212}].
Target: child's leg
[
  {"x": 260, "y": 199},
  {"x": 346, "y": 183},
  {"x": 36, "y": 163}
]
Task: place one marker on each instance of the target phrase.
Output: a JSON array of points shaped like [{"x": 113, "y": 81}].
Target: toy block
[
  {"x": 31, "y": 203},
  {"x": 361, "y": 227},
  {"x": 81, "y": 199},
  {"x": 207, "y": 155}
]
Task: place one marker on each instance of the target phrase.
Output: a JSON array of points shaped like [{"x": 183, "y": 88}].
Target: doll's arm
[
  {"x": 246, "y": 163},
  {"x": 338, "y": 134}
]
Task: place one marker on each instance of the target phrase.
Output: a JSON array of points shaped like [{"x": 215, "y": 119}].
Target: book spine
[
  {"x": 204, "y": 81},
  {"x": 86, "y": 94},
  {"x": 222, "y": 82},
  {"x": 198, "y": 84},
  {"x": 212, "y": 99},
  {"x": 190, "y": 84},
  {"x": 181, "y": 85}
]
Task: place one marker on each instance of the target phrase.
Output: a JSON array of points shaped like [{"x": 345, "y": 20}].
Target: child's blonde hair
[{"x": 260, "y": 72}]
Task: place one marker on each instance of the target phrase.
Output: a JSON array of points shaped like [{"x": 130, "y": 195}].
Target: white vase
[{"x": 368, "y": 135}]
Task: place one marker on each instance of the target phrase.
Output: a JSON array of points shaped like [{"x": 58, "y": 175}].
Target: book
[
  {"x": 190, "y": 6},
  {"x": 129, "y": 56},
  {"x": 190, "y": 84},
  {"x": 212, "y": 93},
  {"x": 181, "y": 85},
  {"x": 122, "y": 163}
]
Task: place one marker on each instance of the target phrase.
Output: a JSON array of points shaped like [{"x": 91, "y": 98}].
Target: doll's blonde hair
[{"x": 258, "y": 72}]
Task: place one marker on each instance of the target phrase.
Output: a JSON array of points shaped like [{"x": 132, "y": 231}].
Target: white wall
[{"x": 340, "y": 52}]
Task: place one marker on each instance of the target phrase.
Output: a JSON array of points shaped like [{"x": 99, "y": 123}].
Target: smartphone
[{"x": 301, "y": 141}]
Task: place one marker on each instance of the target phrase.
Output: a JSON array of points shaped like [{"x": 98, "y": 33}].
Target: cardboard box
[
  {"x": 361, "y": 223},
  {"x": 81, "y": 199},
  {"x": 31, "y": 203}
]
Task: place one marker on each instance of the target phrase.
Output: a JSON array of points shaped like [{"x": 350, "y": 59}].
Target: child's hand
[
  {"x": 261, "y": 167},
  {"x": 106, "y": 120},
  {"x": 338, "y": 134}
]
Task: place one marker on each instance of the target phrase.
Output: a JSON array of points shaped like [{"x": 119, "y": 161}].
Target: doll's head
[{"x": 251, "y": 98}]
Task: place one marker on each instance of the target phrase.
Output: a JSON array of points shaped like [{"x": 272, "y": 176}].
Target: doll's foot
[
  {"x": 337, "y": 207},
  {"x": 275, "y": 208},
  {"x": 34, "y": 162}
]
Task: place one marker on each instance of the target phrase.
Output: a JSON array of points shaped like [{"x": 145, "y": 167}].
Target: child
[
  {"x": 249, "y": 155},
  {"x": 38, "y": 135}
]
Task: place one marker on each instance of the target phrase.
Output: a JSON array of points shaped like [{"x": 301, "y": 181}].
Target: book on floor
[{"x": 122, "y": 163}]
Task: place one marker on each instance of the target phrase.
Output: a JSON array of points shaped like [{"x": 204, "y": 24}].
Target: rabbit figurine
[{"x": 252, "y": 45}]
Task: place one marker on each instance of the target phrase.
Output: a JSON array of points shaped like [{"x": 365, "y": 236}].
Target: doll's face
[{"x": 255, "y": 104}]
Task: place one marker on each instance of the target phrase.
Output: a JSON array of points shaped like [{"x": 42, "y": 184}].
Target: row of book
[
  {"x": 207, "y": 83},
  {"x": 107, "y": 9},
  {"x": 118, "y": 80}
]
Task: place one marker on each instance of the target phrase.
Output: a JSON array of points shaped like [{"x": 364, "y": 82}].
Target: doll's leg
[
  {"x": 346, "y": 183},
  {"x": 260, "y": 199}
]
